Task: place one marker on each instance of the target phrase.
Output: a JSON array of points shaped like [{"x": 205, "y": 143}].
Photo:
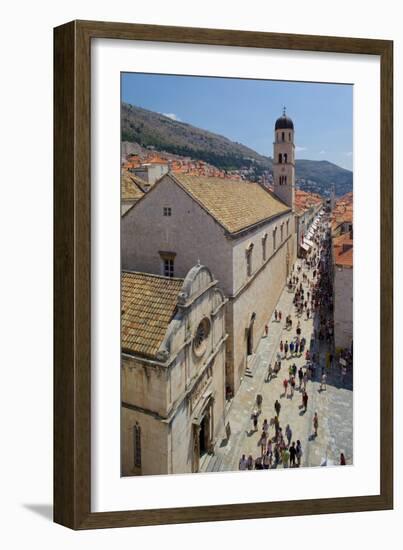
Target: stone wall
[
  {"x": 190, "y": 233},
  {"x": 253, "y": 306},
  {"x": 343, "y": 306}
]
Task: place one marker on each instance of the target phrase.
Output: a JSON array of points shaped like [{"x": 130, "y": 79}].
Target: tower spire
[{"x": 284, "y": 109}]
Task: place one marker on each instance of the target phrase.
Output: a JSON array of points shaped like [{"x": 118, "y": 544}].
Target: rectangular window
[
  {"x": 264, "y": 247},
  {"x": 168, "y": 267},
  {"x": 167, "y": 211}
]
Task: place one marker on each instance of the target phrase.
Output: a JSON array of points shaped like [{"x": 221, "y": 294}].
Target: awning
[{"x": 304, "y": 246}]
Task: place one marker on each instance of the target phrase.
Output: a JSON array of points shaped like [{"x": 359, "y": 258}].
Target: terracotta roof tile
[
  {"x": 343, "y": 250},
  {"x": 131, "y": 186},
  {"x": 234, "y": 204},
  {"x": 148, "y": 305}
]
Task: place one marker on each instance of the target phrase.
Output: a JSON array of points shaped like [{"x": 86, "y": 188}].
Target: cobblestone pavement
[{"x": 333, "y": 405}]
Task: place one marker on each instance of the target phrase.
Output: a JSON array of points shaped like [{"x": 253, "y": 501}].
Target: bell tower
[{"x": 284, "y": 160}]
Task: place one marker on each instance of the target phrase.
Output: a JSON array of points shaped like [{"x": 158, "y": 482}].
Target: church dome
[{"x": 284, "y": 123}]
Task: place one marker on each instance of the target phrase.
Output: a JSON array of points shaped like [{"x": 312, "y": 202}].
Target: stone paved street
[{"x": 333, "y": 405}]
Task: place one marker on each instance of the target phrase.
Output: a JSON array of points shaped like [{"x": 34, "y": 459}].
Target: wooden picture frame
[{"x": 72, "y": 269}]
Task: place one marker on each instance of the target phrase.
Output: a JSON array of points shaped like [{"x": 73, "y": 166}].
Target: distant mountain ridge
[{"x": 148, "y": 128}]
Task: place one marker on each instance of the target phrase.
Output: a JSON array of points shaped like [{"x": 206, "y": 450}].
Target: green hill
[{"x": 148, "y": 128}]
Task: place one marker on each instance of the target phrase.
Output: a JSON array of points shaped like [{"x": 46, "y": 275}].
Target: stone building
[
  {"x": 173, "y": 367},
  {"x": 284, "y": 160},
  {"x": 307, "y": 209},
  {"x": 342, "y": 250},
  {"x": 151, "y": 171},
  {"x": 244, "y": 233}
]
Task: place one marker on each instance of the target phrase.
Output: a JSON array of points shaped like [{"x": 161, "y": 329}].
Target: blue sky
[{"x": 245, "y": 110}]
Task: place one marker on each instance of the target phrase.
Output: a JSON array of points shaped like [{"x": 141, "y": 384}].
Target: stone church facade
[{"x": 173, "y": 369}]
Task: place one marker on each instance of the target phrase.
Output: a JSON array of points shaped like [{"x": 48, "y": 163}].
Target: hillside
[
  {"x": 147, "y": 128},
  {"x": 325, "y": 173}
]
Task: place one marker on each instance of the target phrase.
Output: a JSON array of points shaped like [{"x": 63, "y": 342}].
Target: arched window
[
  {"x": 249, "y": 260},
  {"x": 281, "y": 233},
  {"x": 280, "y": 158},
  {"x": 285, "y": 157},
  {"x": 137, "y": 445},
  {"x": 274, "y": 238},
  {"x": 282, "y": 136},
  {"x": 264, "y": 248}
]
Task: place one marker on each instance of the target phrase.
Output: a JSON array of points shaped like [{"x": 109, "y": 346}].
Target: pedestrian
[
  {"x": 293, "y": 452},
  {"x": 288, "y": 434},
  {"x": 285, "y": 386},
  {"x": 286, "y": 349},
  {"x": 285, "y": 457},
  {"x": 265, "y": 426},
  {"x": 266, "y": 330},
  {"x": 300, "y": 376},
  {"x": 298, "y": 452},
  {"x": 281, "y": 347},
  {"x": 296, "y": 347},
  {"x": 263, "y": 442},
  {"x": 315, "y": 424},
  {"x": 255, "y": 420},
  {"x": 243, "y": 463},
  {"x": 279, "y": 316},
  {"x": 259, "y": 463},
  {"x": 277, "y": 407},
  {"x": 266, "y": 461},
  {"x": 275, "y": 315},
  {"x": 276, "y": 455},
  {"x": 250, "y": 463},
  {"x": 343, "y": 373},
  {"x": 307, "y": 313},
  {"x": 276, "y": 425},
  {"x": 305, "y": 400},
  {"x": 342, "y": 459},
  {"x": 292, "y": 386},
  {"x": 269, "y": 373},
  {"x": 292, "y": 348},
  {"x": 305, "y": 379}
]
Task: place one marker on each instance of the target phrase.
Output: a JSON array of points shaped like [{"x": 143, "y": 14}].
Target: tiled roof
[
  {"x": 304, "y": 200},
  {"x": 343, "y": 210},
  {"x": 343, "y": 250},
  {"x": 234, "y": 204},
  {"x": 131, "y": 189},
  {"x": 148, "y": 305}
]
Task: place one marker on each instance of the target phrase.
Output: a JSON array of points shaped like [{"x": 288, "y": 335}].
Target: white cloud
[
  {"x": 172, "y": 116},
  {"x": 298, "y": 148},
  {"x": 323, "y": 152}
]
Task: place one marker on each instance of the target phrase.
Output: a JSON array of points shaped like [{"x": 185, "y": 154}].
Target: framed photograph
[{"x": 223, "y": 275}]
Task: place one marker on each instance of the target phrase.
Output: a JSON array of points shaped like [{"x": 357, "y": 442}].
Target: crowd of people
[{"x": 312, "y": 287}]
